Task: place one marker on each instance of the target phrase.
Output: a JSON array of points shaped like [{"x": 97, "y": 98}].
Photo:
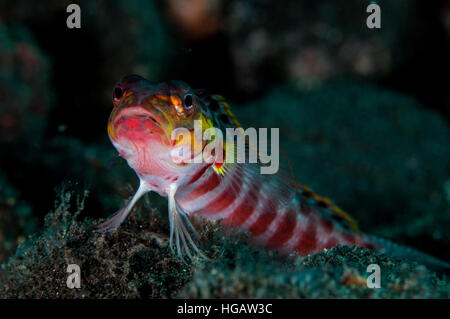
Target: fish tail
[{"x": 404, "y": 252}]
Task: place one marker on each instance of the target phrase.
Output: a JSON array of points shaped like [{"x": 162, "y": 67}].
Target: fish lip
[{"x": 136, "y": 111}]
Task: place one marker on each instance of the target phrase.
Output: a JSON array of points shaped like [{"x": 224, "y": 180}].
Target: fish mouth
[{"x": 138, "y": 119}]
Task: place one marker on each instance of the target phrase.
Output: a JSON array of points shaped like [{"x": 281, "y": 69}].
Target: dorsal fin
[
  {"x": 337, "y": 214},
  {"x": 226, "y": 109},
  {"x": 220, "y": 111},
  {"x": 327, "y": 208}
]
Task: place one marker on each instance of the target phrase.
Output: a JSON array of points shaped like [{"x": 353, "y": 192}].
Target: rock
[
  {"x": 16, "y": 219},
  {"x": 25, "y": 94}
]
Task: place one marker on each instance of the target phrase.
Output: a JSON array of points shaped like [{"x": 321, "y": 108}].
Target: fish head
[{"x": 146, "y": 115}]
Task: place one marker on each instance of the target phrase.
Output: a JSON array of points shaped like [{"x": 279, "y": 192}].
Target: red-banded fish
[{"x": 278, "y": 213}]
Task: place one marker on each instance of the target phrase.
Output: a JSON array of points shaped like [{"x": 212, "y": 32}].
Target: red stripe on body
[
  {"x": 263, "y": 222},
  {"x": 284, "y": 231},
  {"x": 208, "y": 185},
  {"x": 239, "y": 216},
  {"x": 327, "y": 225},
  {"x": 242, "y": 212},
  {"x": 348, "y": 238},
  {"x": 307, "y": 242},
  {"x": 363, "y": 241},
  {"x": 197, "y": 175},
  {"x": 331, "y": 242},
  {"x": 226, "y": 198},
  {"x": 287, "y": 233}
]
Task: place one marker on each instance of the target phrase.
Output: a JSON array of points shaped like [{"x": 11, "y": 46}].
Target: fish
[{"x": 275, "y": 210}]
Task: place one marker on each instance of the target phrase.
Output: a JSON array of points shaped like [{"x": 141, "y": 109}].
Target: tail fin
[{"x": 404, "y": 252}]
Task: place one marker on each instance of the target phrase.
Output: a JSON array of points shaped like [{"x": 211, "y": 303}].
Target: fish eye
[
  {"x": 188, "y": 101},
  {"x": 118, "y": 92}
]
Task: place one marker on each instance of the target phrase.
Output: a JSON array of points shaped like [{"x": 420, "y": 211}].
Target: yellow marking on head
[
  {"x": 110, "y": 130},
  {"x": 154, "y": 101},
  {"x": 128, "y": 97},
  {"x": 129, "y": 100},
  {"x": 162, "y": 97},
  {"x": 176, "y": 101}
]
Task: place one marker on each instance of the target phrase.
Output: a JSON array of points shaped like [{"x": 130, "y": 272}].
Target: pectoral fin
[
  {"x": 183, "y": 235},
  {"x": 114, "y": 222}
]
